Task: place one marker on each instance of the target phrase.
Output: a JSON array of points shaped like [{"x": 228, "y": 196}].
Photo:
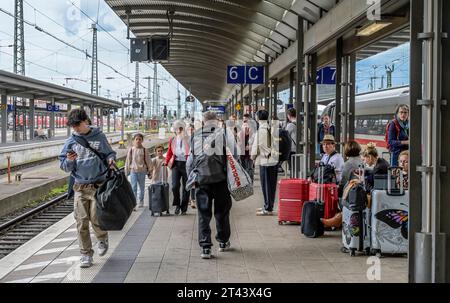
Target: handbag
[{"x": 239, "y": 182}]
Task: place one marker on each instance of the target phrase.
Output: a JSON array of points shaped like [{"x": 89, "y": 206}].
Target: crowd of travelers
[{"x": 197, "y": 160}]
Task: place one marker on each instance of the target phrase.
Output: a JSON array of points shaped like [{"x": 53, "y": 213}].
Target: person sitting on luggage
[
  {"x": 207, "y": 160},
  {"x": 332, "y": 157},
  {"x": 267, "y": 161},
  {"x": 352, "y": 152},
  {"x": 176, "y": 160},
  {"x": 138, "y": 165},
  {"x": 89, "y": 173},
  {"x": 377, "y": 165},
  {"x": 403, "y": 161},
  {"x": 398, "y": 133}
]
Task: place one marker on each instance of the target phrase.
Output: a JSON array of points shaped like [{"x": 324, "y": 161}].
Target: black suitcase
[
  {"x": 312, "y": 212},
  {"x": 158, "y": 194}
]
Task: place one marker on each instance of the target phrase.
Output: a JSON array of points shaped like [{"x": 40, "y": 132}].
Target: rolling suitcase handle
[
  {"x": 163, "y": 174},
  {"x": 321, "y": 190},
  {"x": 401, "y": 190},
  {"x": 295, "y": 171}
]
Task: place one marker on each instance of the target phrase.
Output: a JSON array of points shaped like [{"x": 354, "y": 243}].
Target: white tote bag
[{"x": 239, "y": 182}]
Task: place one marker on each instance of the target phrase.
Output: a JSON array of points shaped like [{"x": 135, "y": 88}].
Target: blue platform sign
[
  {"x": 10, "y": 107},
  {"x": 235, "y": 74},
  {"x": 216, "y": 109},
  {"x": 52, "y": 108},
  {"x": 326, "y": 75},
  {"x": 245, "y": 74},
  {"x": 254, "y": 75}
]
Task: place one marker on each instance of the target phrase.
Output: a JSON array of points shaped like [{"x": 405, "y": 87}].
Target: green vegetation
[{"x": 52, "y": 194}]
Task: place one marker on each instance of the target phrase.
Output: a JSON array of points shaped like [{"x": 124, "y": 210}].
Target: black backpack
[
  {"x": 285, "y": 145},
  {"x": 357, "y": 198}
]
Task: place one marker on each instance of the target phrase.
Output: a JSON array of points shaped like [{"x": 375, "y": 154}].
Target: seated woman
[
  {"x": 352, "y": 152},
  {"x": 377, "y": 165}
]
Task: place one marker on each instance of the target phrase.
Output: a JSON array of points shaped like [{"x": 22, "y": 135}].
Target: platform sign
[
  {"x": 245, "y": 74},
  {"x": 9, "y": 107},
  {"x": 254, "y": 75},
  {"x": 326, "y": 75},
  {"x": 52, "y": 108},
  {"x": 235, "y": 74},
  {"x": 216, "y": 109}
]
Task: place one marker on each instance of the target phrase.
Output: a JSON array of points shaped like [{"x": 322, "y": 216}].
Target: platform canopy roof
[
  {"x": 208, "y": 35},
  {"x": 26, "y": 87}
]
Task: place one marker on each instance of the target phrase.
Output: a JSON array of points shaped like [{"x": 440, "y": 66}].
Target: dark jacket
[
  {"x": 321, "y": 134},
  {"x": 394, "y": 140}
]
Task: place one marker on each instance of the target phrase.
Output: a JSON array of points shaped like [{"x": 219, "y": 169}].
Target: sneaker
[
  {"x": 102, "y": 248},
  {"x": 193, "y": 204},
  {"x": 206, "y": 253},
  {"x": 224, "y": 246},
  {"x": 86, "y": 261},
  {"x": 177, "y": 210},
  {"x": 264, "y": 213},
  {"x": 260, "y": 209}
]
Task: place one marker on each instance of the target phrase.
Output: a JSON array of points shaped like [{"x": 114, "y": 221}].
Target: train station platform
[
  {"x": 165, "y": 249},
  {"x": 39, "y": 180}
]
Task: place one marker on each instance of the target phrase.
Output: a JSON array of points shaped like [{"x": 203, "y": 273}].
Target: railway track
[{"x": 22, "y": 228}]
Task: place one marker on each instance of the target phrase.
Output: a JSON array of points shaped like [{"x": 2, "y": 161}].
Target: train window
[{"x": 372, "y": 125}]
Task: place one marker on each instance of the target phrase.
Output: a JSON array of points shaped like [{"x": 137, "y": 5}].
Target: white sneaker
[
  {"x": 224, "y": 246},
  {"x": 102, "y": 248},
  {"x": 86, "y": 261}
]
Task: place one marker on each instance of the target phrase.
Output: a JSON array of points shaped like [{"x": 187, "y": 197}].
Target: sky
[{"x": 50, "y": 60}]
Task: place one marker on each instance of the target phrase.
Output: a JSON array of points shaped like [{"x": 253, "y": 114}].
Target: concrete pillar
[
  {"x": 241, "y": 111},
  {"x": 313, "y": 111},
  {"x": 291, "y": 85},
  {"x": 52, "y": 120},
  {"x": 69, "y": 108},
  {"x": 4, "y": 113},
  {"x": 250, "y": 99},
  {"x": 275, "y": 97},
  {"x": 31, "y": 119},
  {"x": 266, "y": 83}
]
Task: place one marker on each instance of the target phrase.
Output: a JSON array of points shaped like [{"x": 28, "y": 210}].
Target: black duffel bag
[
  {"x": 115, "y": 201},
  {"x": 115, "y": 197}
]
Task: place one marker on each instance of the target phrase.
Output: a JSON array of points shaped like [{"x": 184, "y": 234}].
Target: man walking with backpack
[
  {"x": 291, "y": 128},
  {"x": 89, "y": 172},
  {"x": 207, "y": 162}
]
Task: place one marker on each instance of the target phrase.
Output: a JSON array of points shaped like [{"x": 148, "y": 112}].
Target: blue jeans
[{"x": 138, "y": 179}]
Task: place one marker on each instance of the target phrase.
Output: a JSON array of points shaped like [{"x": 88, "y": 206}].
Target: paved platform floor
[{"x": 165, "y": 249}]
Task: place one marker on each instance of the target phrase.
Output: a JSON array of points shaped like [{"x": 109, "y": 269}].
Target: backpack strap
[
  {"x": 331, "y": 156},
  {"x": 83, "y": 142}
]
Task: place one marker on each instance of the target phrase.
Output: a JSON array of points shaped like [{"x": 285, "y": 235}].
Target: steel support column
[
  {"x": 52, "y": 120},
  {"x": 4, "y": 122},
  {"x": 250, "y": 99},
  {"x": 291, "y": 85},
  {"x": 69, "y": 108},
  {"x": 415, "y": 258},
  {"x": 275, "y": 98},
  {"x": 31, "y": 119},
  {"x": 344, "y": 105},
  {"x": 313, "y": 113},
  {"x": 337, "y": 110},
  {"x": 241, "y": 111},
  {"x": 266, "y": 83},
  {"x": 299, "y": 100},
  {"x": 306, "y": 132},
  {"x": 352, "y": 99},
  {"x": 270, "y": 105}
]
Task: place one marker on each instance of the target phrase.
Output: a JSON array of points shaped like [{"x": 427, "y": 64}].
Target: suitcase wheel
[
  {"x": 157, "y": 214},
  {"x": 368, "y": 251},
  {"x": 352, "y": 252},
  {"x": 280, "y": 222}
]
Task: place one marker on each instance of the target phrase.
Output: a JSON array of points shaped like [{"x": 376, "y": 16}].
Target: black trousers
[
  {"x": 269, "y": 178},
  {"x": 205, "y": 195},
  {"x": 179, "y": 179}
]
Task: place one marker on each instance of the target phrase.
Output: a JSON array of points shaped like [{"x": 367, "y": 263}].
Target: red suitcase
[
  {"x": 330, "y": 198},
  {"x": 291, "y": 196}
]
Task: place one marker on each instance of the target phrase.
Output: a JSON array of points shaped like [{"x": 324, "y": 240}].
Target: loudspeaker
[
  {"x": 139, "y": 50},
  {"x": 159, "y": 48}
]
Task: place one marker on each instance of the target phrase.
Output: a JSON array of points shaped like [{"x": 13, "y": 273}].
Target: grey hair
[{"x": 208, "y": 116}]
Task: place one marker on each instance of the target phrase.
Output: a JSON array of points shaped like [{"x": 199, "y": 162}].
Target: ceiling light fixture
[{"x": 372, "y": 28}]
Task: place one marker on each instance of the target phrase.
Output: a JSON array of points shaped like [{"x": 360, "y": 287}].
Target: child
[
  {"x": 157, "y": 164},
  {"x": 138, "y": 165}
]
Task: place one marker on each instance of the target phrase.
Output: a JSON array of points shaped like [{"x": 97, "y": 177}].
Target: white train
[{"x": 373, "y": 111}]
